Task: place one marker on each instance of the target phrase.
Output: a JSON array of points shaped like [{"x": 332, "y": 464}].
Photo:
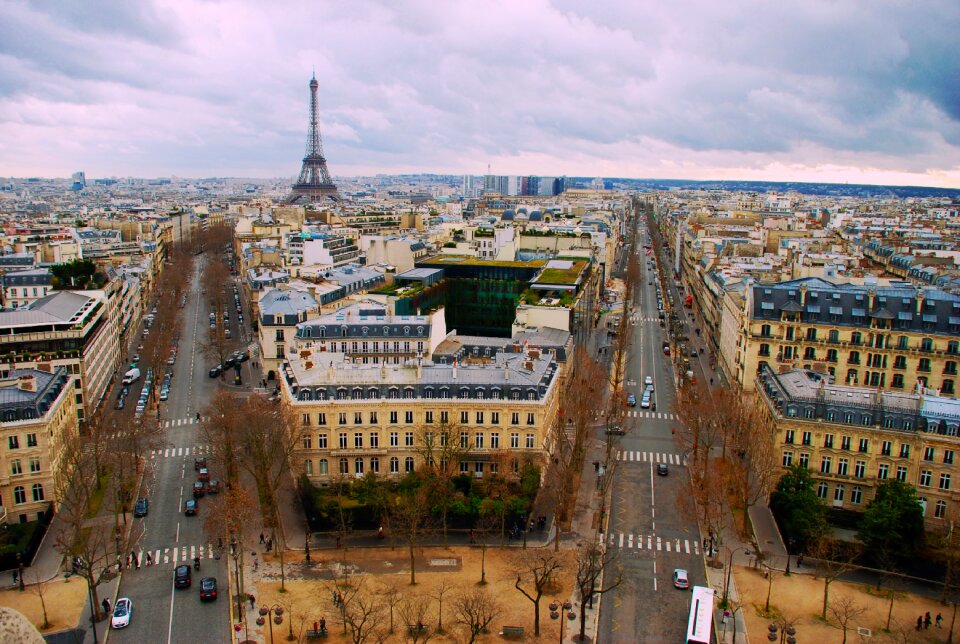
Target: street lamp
[
  {"x": 726, "y": 586},
  {"x": 555, "y": 607},
  {"x": 235, "y": 552},
  {"x": 274, "y": 614}
]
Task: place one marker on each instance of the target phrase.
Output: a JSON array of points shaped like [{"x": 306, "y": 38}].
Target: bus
[{"x": 700, "y": 624}]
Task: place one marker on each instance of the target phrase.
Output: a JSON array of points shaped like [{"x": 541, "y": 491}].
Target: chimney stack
[
  {"x": 454, "y": 368},
  {"x": 27, "y": 383}
]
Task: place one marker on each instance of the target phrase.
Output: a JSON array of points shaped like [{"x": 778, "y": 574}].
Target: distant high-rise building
[
  {"x": 530, "y": 186},
  {"x": 78, "y": 181},
  {"x": 314, "y": 183}
]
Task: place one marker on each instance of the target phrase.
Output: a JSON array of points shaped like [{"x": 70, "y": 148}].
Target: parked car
[
  {"x": 616, "y": 430},
  {"x": 142, "y": 507},
  {"x": 680, "y": 579},
  {"x": 182, "y": 577},
  {"x": 215, "y": 371},
  {"x": 203, "y": 474},
  {"x": 645, "y": 400},
  {"x": 631, "y": 400},
  {"x": 122, "y": 613},
  {"x": 208, "y": 589},
  {"x": 198, "y": 462},
  {"x": 198, "y": 489},
  {"x": 648, "y": 382},
  {"x": 120, "y": 403},
  {"x": 213, "y": 487},
  {"x": 662, "y": 469},
  {"x": 190, "y": 507}
]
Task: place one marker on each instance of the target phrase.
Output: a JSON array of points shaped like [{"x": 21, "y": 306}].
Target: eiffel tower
[{"x": 314, "y": 183}]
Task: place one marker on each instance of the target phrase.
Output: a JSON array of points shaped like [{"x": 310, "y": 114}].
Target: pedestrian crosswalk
[
  {"x": 640, "y": 413},
  {"x": 660, "y": 415},
  {"x": 635, "y": 456},
  {"x": 180, "y": 422},
  {"x": 176, "y": 554},
  {"x": 650, "y": 542},
  {"x": 636, "y": 318},
  {"x": 173, "y": 452}
]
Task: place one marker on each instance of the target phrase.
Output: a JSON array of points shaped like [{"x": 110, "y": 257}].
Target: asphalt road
[
  {"x": 652, "y": 523},
  {"x": 161, "y": 612}
]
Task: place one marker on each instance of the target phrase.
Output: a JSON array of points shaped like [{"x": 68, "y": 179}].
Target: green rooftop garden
[{"x": 562, "y": 275}]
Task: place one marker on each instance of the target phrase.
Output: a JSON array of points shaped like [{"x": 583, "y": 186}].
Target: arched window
[
  {"x": 464, "y": 392},
  {"x": 323, "y": 331},
  {"x": 444, "y": 392},
  {"x": 406, "y": 330},
  {"x": 373, "y": 393},
  {"x": 324, "y": 467},
  {"x": 408, "y": 464},
  {"x": 306, "y": 394},
  {"x": 19, "y": 495},
  {"x": 393, "y": 393},
  {"x": 531, "y": 394},
  {"x": 495, "y": 394},
  {"x": 409, "y": 392},
  {"x": 514, "y": 394},
  {"x": 308, "y": 467},
  {"x": 428, "y": 392},
  {"x": 375, "y": 464},
  {"x": 357, "y": 393},
  {"x": 364, "y": 330},
  {"x": 419, "y": 330},
  {"x": 321, "y": 394},
  {"x": 358, "y": 466},
  {"x": 344, "y": 466},
  {"x": 306, "y": 332},
  {"x": 386, "y": 330},
  {"x": 394, "y": 465},
  {"x": 480, "y": 393},
  {"x": 342, "y": 394}
]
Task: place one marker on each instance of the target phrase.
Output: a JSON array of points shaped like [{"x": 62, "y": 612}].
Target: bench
[
  {"x": 315, "y": 635},
  {"x": 511, "y": 632},
  {"x": 413, "y": 630}
]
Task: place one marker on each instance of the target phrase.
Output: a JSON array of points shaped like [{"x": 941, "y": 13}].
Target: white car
[
  {"x": 648, "y": 383},
  {"x": 121, "y": 613}
]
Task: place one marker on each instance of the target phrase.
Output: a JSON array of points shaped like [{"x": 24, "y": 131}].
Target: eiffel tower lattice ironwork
[{"x": 314, "y": 183}]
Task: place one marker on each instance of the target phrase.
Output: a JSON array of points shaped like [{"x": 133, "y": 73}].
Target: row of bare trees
[{"x": 103, "y": 464}]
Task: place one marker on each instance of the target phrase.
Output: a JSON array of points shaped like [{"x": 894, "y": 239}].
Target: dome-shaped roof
[
  {"x": 536, "y": 215},
  {"x": 522, "y": 209},
  {"x": 507, "y": 215}
]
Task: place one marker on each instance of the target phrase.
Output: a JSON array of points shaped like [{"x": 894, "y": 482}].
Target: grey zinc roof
[
  {"x": 289, "y": 302},
  {"x": 506, "y": 371},
  {"x": 48, "y": 386},
  {"x": 58, "y": 308}
]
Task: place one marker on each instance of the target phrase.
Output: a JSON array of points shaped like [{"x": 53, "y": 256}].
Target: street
[
  {"x": 161, "y": 612},
  {"x": 652, "y": 521}
]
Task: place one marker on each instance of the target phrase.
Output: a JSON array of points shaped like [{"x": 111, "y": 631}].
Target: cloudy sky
[{"x": 808, "y": 90}]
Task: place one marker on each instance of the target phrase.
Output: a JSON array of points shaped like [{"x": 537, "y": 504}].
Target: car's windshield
[{"x": 120, "y": 610}]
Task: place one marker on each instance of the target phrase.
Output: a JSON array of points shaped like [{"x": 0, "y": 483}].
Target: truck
[{"x": 131, "y": 376}]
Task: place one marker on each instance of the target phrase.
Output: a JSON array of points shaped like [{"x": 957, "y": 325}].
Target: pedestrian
[
  {"x": 15, "y": 578},
  {"x": 799, "y": 560},
  {"x": 334, "y": 597},
  {"x": 106, "y": 605},
  {"x": 939, "y": 620},
  {"x": 338, "y": 541},
  {"x": 920, "y": 622},
  {"x": 927, "y": 620},
  {"x": 269, "y": 544},
  {"x": 128, "y": 562},
  {"x": 252, "y": 600},
  {"x": 149, "y": 559},
  {"x": 316, "y": 627},
  {"x": 256, "y": 564},
  {"x": 380, "y": 532},
  {"x": 323, "y": 625},
  {"x": 262, "y": 538}
]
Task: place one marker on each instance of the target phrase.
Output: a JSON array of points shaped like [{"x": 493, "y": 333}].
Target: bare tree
[
  {"x": 475, "y": 610},
  {"x": 38, "y": 588},
  {"x": 392, "y": 598},
  {"x": 89, "y": 545},
  {"x": 832, "y": 562},
  {"x": 584, "y": 393},
  {"x": 414, "y": 612},
  {"x": 266, "y": 440},
  {"x": 594, "y": 564},
  {"x": 844, "y": 611},
  {"x": 440, "y": 449},
  {"x": 441, "y": 590},
  {"x": 410, "y": 521},
  {"x": 362, "y": 615},
  {"x": 539, "y": 568},
  {"x": 754, "y": 468}
]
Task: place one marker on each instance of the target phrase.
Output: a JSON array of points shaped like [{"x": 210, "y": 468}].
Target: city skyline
[{"x": 859, "y": 93}]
